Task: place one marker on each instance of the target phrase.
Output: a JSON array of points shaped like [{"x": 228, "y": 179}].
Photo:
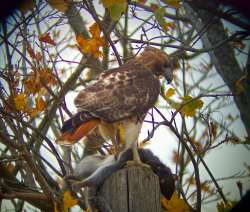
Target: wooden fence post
[{"x": 132, "y": 189}]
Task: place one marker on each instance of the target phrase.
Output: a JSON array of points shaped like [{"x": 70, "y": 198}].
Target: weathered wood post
[{"x": 132, "y": 189}]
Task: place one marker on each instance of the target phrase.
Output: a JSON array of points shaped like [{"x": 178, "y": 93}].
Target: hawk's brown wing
[{"x": 130, "y": 90}]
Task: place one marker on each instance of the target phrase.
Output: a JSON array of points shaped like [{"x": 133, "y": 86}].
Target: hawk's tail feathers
[
  {"x": 77, "y": 120},
  {"x": 70, "y": 137}
]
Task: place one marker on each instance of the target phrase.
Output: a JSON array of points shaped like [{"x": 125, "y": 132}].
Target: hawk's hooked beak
[
  {"x": 168, "y": 74},
  {"x": 169, "y": 67}
]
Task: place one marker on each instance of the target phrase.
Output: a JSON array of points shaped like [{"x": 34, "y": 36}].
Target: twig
[
  {"x": 28, "y": 158},
  {"x": 207, "y": 169},
  {"x": 190, "y": 49}
]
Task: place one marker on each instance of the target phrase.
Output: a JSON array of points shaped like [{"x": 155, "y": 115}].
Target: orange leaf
[
  {"x": 47, "y": 39},
  {"x": 95, "y": 30},
  {"x": 206, "y": 188},
  {"x": 154, "y": 7},
  {"x": 176, "y": 157},
  {"x": 191, "y": 180},
  {"x": 214, "y": 129},
  {"x": 46, "y": 76},
  {"x": 164, "y": 202},
  {"x": 40, "y": 104},
  {"x": 35, "y": 82},
  {"x": 92, "y": 45},
  {"x": 31, "y": 85},
  {"x": 31, "y": 51}
]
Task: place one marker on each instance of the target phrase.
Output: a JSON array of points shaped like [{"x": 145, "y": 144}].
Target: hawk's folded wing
[{"x": 121, "y": 93}]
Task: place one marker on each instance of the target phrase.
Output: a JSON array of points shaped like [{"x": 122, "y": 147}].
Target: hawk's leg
[
  {"x": 131, "y": 131},
  {"x": 136, "y": 156},
  {"x": 136, "y": 159}
]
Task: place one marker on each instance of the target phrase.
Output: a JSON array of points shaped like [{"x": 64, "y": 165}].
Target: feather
[{"x": 70, "y": 137}]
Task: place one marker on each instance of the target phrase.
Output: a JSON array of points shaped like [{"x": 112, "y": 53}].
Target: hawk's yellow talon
[{"x": 121, "y": 133}]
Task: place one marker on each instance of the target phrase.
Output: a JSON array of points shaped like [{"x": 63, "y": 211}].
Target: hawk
[{"x": 118, "y": 101}]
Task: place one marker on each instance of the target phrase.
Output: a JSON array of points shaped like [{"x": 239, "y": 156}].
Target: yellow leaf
[
  {"x": 191, "y": 106},
  {"x": 115, "y": 8},
  {"x": 56, "y": 207},
  {"x": 109, "y": 3},
  {"x": 173, "y": 104},
  {"x": 142, "y": 1},
  {"x": 168, "y": 25},
  {"x": 159, "y": 15},
  {"x": 175, "y": 204},
  {"x": 170, "y": 92},
  {"x": 225, "y": 207},
  {"x": 32, "y": 112},
  {"x": 60, "y": 5},
  {"x": 188, "y": 107},
  {"x": 21, "y": 101},
  {"x": 68, "y": 201},
  {"x": 121, "y": 133}
]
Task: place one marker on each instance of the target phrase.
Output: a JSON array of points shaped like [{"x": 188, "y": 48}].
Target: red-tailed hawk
[{"x": 119, "y": 100}]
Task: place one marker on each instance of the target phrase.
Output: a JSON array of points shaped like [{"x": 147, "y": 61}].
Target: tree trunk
[
  {"x": 132, "y": 189},
  {"x": 223, "y": 58}
]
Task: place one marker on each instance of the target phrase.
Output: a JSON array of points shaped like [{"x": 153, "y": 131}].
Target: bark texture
[{"x": 223, "y": 58}]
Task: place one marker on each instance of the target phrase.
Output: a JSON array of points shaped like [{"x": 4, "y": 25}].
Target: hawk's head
[{"x": 159, "y": 62}]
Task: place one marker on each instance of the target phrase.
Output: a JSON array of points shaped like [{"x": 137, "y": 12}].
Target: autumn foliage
[{"x": 92, "y": 46}]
